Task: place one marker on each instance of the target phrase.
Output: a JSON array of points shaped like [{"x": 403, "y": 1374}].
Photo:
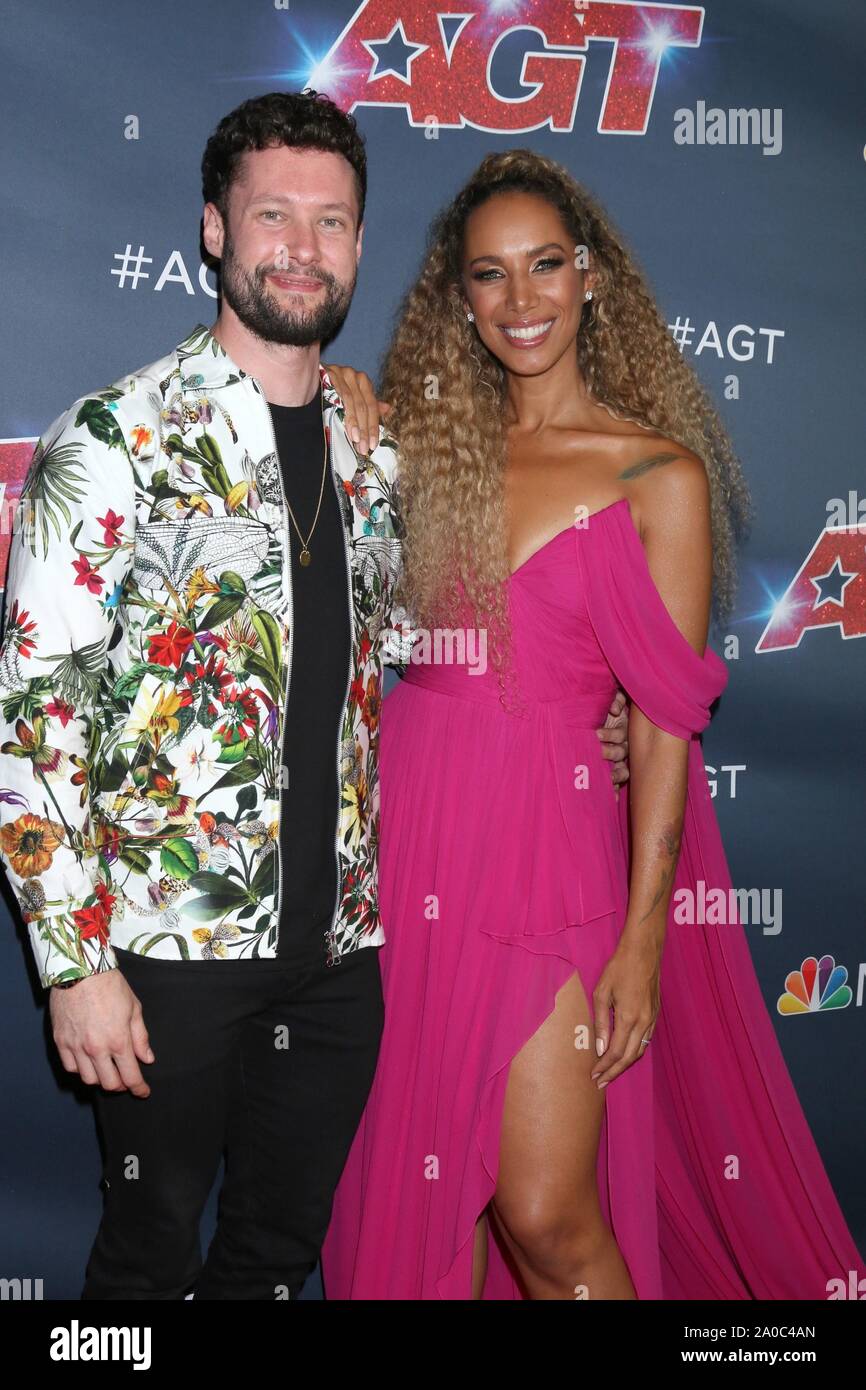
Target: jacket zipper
[{"x": 284, "y": 713}]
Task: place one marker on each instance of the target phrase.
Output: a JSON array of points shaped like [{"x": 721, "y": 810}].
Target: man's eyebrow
[
  {"x": 282, "y": 198},
  {"x": 534, "y": 252}
]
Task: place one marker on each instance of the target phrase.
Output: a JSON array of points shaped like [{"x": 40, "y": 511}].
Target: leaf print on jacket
[{"x": 142, "y": 717}]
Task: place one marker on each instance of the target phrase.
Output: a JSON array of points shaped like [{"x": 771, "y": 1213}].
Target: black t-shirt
[{"x": 321, "y": 658}]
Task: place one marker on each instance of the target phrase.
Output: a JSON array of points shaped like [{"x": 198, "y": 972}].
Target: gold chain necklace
[{"x": 304, "y": 556}]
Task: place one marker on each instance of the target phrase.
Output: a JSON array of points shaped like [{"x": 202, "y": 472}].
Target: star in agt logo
[
  {"x": 829, "y": 590},
  {"x": 447, "y": 68}
]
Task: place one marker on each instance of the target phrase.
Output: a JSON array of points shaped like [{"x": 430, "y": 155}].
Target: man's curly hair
[{"x": 301, "y": 120}]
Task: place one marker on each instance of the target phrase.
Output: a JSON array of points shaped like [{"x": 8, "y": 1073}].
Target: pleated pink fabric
[{"x": 503, "y": 870}]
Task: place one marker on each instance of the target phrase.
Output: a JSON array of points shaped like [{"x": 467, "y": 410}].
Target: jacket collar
[{"x": 203, "y": 361}]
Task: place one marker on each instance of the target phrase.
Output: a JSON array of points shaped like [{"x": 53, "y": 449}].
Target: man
[{"x": 189, "y": 737}]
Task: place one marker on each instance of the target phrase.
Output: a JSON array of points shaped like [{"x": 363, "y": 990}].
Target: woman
[{"x": 570, "y": 495}]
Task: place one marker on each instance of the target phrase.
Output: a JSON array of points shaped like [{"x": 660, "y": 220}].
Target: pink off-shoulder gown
[{"x": 501, "y": 874}]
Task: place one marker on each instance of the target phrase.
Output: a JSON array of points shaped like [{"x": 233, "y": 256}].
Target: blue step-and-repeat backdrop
[{"x": 727, "y": 141}]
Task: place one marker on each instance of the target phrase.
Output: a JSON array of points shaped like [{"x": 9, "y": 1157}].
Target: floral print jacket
[{"x": 145, "y": 667}]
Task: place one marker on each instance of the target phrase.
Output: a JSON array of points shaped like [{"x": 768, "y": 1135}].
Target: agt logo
[
  {"x": 828, "y": 590},
  {"x": 446, "y": 68}
]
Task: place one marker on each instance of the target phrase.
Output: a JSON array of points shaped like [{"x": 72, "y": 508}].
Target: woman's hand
[
  {"x": 363, "y": 410},
  {"x": 629, "y": 984}
]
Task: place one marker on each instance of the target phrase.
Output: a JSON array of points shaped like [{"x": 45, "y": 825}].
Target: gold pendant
[{"x": 305, "y": 556}]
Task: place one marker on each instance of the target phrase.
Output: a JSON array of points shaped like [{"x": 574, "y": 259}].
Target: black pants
[{"x": 271, "y": 1061}]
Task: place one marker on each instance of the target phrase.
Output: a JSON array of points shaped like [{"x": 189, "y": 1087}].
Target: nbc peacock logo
[{"x": 819, "y": 985}]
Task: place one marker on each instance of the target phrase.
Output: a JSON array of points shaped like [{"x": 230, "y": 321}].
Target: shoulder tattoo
[{"x": 636, "y": 470}]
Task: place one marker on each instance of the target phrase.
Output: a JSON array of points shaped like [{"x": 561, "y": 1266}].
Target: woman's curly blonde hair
[{"x": 448, "y": 396}]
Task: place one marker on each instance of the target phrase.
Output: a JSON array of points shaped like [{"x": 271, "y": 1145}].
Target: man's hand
[
  {"x": 614, "y": 736},
  {"x": 363, "y": 411},
  {"x": 99, "y": 1031}
]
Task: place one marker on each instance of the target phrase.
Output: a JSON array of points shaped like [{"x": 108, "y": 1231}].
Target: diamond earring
[
  {"x": 470, "y": 316},
  {"x": 588, "y": 294}
]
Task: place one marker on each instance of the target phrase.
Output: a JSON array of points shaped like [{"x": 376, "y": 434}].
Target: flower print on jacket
[
  {"x": 141, "y": 719},
  {"x": 30, "y": 843}
]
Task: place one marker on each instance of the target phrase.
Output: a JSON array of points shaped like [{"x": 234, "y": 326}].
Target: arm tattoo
[
  {"x": 669, "y": 841},
  {"x": 669, "y": 848},
  {"x": 635, "y": 470}
]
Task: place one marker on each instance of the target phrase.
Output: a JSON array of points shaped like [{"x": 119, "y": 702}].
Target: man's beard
[{"x": 265, "y": 315}]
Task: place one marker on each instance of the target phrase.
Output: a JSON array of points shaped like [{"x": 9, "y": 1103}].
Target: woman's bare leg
[{"x": 546, "y": 1199}]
